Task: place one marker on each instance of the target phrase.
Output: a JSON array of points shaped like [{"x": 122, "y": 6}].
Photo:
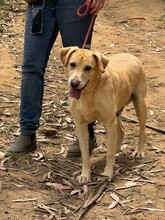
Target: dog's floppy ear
[
  {"x": 65, "y": 54},
  {"x": 101, "y": 60}
]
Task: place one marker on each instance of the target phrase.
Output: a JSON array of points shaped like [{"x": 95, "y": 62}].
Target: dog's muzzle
[{"x": 74, "y": 91}]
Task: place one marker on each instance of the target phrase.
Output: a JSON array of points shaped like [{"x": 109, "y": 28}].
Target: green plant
[
  {"x": 162, "y": 17},
  {"x": 2, "y": 2},
  {"x": 1, "y": 16}
]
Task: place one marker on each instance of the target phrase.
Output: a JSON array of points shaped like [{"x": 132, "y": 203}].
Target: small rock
[{"x": 2, "y": 155}]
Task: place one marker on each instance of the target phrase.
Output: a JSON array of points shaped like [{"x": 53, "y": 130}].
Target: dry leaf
[
  {"x": 68, "y": 119},
  {"x": 63, "y": 148},
  {"x": 130, "y": 184},
  {"x": 112, "y": 205},
  {"x": 76, "y": 191},
  {"x": 58, "y": 186},
  {"x": 1, "y": 126},
  {"x": 111, "y": 45},
  {"x": 114, "y": 197},
  {"x": 85, "y": 189},
  {"x": 151, "y": 112},
  {"x": 68, "y": 138},
  {"x": 162, "y": 110},
  {"x": 3, "y": 168},
  {"x": 82, "y": 192},
  {"x": 38, "y": 156},
  {"x": 101, "y": 131},
  {"x": 117, "y": 200},
  {"x": 124, "y": 146},
  {"x": 2, "y": 155}
]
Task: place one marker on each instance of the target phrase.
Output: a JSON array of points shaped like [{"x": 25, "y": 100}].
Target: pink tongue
[{"x": 75, "y": 93}]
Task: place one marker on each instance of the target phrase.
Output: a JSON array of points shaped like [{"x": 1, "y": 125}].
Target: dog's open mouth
[{"x": 75, "y": 93}]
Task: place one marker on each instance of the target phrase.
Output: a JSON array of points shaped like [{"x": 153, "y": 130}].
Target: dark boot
[
  {"x": 74, "y": 150},
  {"x": 23, "y": 144}
]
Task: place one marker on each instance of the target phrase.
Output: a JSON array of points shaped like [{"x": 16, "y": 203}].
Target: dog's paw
[
  {"x": 138, "y": 154},
  {"x": 106, "y": 176},
  {"x": 84, "y": 179}
]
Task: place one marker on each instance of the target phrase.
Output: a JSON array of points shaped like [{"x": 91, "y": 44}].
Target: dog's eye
[
  {"x": 73, "y": 64},
  {"x": 87, "y": 68}
]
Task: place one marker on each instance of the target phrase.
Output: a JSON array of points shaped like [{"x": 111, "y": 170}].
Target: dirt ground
[{"x": 43, "y": 185}]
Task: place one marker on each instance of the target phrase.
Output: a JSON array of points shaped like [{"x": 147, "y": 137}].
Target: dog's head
[{"x": 82, "y": 66}]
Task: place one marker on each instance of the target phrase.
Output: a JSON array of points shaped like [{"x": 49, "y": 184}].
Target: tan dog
[{"x": 100, "y": 87}]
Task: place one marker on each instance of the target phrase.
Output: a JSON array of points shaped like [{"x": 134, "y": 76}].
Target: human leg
[
  {"x": 73, "y": 30},
  {"x": 36, "y": 54}
]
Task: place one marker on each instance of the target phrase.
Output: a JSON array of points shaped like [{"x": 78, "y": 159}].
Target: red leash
[{"x": 86, "y": 5}]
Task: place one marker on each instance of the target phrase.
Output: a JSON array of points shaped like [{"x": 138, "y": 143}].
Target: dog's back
[
  {"x": 126, "y": 76},
  {"x": 125, "y": 66}
]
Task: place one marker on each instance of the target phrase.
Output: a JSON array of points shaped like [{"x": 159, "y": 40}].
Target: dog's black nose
[{"x": 75, "y": 83}]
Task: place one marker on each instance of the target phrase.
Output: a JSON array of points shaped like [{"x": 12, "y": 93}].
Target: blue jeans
[{"x": 59, "y": 16}]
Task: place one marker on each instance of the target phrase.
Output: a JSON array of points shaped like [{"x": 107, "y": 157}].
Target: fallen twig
[
  {"x": 126, "y": 187},
  {"x": 156, "y": 148},
  {"x": 138, "y": 180},
  {"x": 70, "y": 206},
  {"x": 147, "y": 125},
  {"x": 25, "y": 200},
  {"x": 140, "y": 209},
  {"x": 136, "y": 172},
  {"x": 135, "y": 18},
  {"x": 95, "y": 194},
  {"x": 49, "y": 210},
  {"x": 153, "y": 166},
  {"x": 155, "y": 171}
]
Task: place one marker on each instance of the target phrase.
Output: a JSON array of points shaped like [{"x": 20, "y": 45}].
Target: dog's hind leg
[
  {"x": 120, "y": 132},
  {"x": 141, "y": 112}
]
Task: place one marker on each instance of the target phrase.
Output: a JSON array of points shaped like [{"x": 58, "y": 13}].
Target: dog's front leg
[
  {"x": 111, "y": 129},
  {"x": 83, "y": 138}
]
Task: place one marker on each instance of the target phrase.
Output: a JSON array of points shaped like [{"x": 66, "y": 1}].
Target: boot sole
[
  {"x": 78, "y": 154},
  {"x": 15, "y": 154}
]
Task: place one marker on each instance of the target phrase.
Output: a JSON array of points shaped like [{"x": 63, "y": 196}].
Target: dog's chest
[{"x": 86, "y": 111}]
